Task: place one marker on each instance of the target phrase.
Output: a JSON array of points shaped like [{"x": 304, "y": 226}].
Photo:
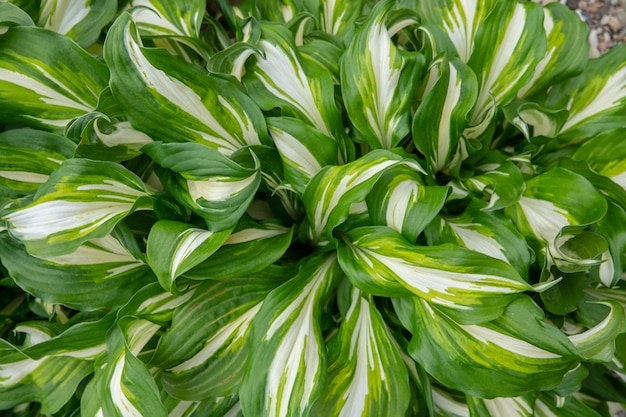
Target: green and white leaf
[
  {"x": 611, "y": 226},
  {"x": 606, "y": 155},
  {"x": 378, "y": 79},
  {"x": 442, "y": 116},
  {"x": 158, "y": 18},
  {"x": 101, "y": 273},
  {"x": 80, "y": 20},
  {"x": 447, "y": 405},
  {"x": 598, "y": 342},
  {"x": 498, "y": 182},
  {"x": 554, "y": 200},
  {"x": 401, "y": 200},
  {"x": 337, "y": 16},
  {"x": 332, "y": 191},
  {"x": 521, "y": 406},
  {"x": 595, "y": 99},
  {"x": 204, "y": 352},
  {"x": 152, "y": 85},
  {"x": 257, "y": 245},
  {"x": 286, "y": 370},
  {"x": 505, "y": 60},
  {"x": 515, "y": 354},
  {"x": 303, "y": 148},
  {"x": 567, "y": 51},
  {"x": 80, "y": 201},
  {"x": 205, "y": 181},
  {"x": 489, "y": 233},
  {"x": 39, "y": 83},
  {"x": 174, "y": 247},
  {"x": 366, "y": 373},
  {"x": 469, "y": 286},
  {"x": 27, "y": 158},
  {"x": 548, "y": 405}
]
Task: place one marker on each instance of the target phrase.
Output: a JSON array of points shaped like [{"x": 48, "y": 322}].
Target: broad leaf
[
  {"x": 468, "y": 285},
  {"x": 81, "y": 20},
  {"x": 515, "y": 354},
  {"x": 378, "y": 79},
  {"x": 27, "y": 158},
  {"x": 101, "y": 273},
  {"x": 402, "y": 201},
  {"x": 46, "y": 80},
  {"x": 204, "y": 351},
  {"x": 81, "y": 200},
  {"x": 502, "y": 406},
  {"x": 330, "y": 194},
  {"x": 174, "y": 247},
  {"x": 606, "y": 155},
  {"x": 152, "y": 85},
  {"x": 286, "y": 370},
  {"x": 442, "y": 116},
  {"x": 205, "y": 181},
  {"x": 366, "y": 373},
  {"x": 598, "y": 342}
]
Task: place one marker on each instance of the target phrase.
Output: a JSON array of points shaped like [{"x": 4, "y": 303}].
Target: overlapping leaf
[
  {"x": 81, "y": 200},
  {"x": 366, "y": 373},
  {"x": 46, "y": 80},
  {"x": 152, "y": 85},
  {"x": 378, "y": 80},
  {"x": 510, "y": 356},
  {"x": 468, "y": 285},
  {"x": 286, "y": 371}
]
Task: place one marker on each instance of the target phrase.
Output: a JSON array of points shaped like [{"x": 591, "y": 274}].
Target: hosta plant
[{"x": 310, "y": 208}]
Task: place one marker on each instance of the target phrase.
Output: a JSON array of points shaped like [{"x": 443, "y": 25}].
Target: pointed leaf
[
  {"x": 152, "y": 85},
  {"x": 468, "y": 285},
  {"x": 510, "y": 356},
  {"x": 80, "y": 20},
  {"x": 441, "y": 118},
  {"x": 366, "y": 374},
  {"x": 12, "y": 15},
  {"x": 101, "y": 273},
  {"x": 81, "y": 200},
  {"x": 337, "y": 16},
  {"x": 286, "y": 370},
  {"x": 27, "y": 158},
  {"x": 46, "y": 80},
  {"x": 400, "y": 200},
  {"x": 174, "y": 247},
  {"x": 377, "y": 79},
  {"x": 330, "y": 194},
  {"x": 204, "y": 351},
  {"x": 205, "y": 181}
]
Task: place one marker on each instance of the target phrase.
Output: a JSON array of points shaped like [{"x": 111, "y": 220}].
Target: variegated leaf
[
  {"x": 81, "y": 200},
  {"x": 402, "y": 201},
  {"x": 554, "y": 200},
  {"x": 595, "y": 99},
  {"x": 51, "y": 381},
  {"x": 567, "y": 51},
  {"x": 521, "y": 406},
  {"x": 469, "y": 286},
  {"x": 606, "y": 155},
  {"x": 459, "y": 19},
  {"x": 81, "y": 20},
  {"x": 27, "y": 158},
  {"x": 378, "y": 79},
  {"x": 39, "y": 82},
  {"x": 303, "y": 148},
  {"x": 337, "y": 16},
  {"x": 101, "y": 273},
  {"x": 448, "y": 405},
  {"x": 152, "y": 85},
  {"x": 499, "y": 182},
  {"x": 442, "y": 116},
  {"x": 174, "y": 247},
  {"x": 286, "y": 370},
  {"x": 301, "y": 87},
  {"x": 489, "y": 233},
  {"x": 366, "y": 373},
  {"x": 332, "y": 191},
  {"x": 515, "y": 354},
  {"x": 549, "y": 405},
  {"x": 204, "y": 352},
  {"x": 166, "y": 19},
  {"x": 259, "y": 244},
  {"x": 598, "y": 342},
  {"x": 11, "y": 15},
  {"x": 611, "y": 227},
  {"x": 205, "y": 181},
  {"x": 504, "y": 60}
]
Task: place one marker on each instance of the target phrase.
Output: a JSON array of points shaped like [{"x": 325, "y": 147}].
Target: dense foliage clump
[{"x": 310, "y": 208}]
